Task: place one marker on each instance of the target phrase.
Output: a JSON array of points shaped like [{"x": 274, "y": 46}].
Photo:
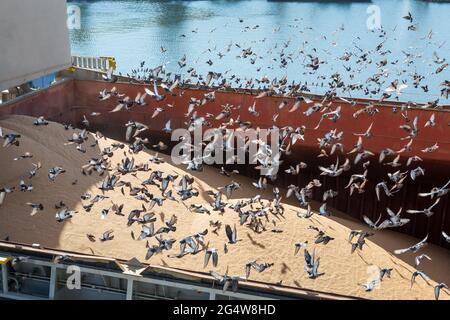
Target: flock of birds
[
  {"x": 253, "y": 212},
  {"x": 388, "y": 72}
]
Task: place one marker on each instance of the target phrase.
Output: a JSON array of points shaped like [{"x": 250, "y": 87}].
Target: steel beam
[
  {"x": 130, "y": 283},
  {"x": 52, "y": 288},
  {"x": 5, "y": 278}
]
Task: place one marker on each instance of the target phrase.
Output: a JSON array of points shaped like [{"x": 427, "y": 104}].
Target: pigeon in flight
[
  {"x": 413, "y": 248},
  {"x": 231, "y": 234},
  {"x": 214, "y": 253}
]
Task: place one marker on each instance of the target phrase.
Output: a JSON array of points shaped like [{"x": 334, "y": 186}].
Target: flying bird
[{"x": 413, "y": 248}]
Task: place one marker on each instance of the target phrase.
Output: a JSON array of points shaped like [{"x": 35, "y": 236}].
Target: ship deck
[{"x": 69, "y": 100}]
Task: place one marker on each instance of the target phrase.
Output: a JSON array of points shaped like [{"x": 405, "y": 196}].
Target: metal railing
[
  {"x": 128, "y": 294},
  {"x": 94, "y": 63}
]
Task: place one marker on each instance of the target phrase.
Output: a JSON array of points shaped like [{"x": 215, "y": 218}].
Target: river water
[{"x": 133, "y": 31}]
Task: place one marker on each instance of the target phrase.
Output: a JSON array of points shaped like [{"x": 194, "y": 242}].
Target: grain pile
[{"x": 344, "y": 272}]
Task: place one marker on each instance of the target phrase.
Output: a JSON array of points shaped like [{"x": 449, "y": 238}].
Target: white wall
[{"x": 34, "y": 40}]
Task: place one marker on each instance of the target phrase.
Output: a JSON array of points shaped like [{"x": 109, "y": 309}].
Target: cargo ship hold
[{"x": 113, "y": 274}]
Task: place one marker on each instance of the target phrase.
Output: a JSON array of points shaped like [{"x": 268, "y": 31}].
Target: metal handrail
[{"x": 94, "y": 63}]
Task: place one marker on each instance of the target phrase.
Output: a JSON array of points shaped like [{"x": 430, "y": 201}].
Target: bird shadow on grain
[
  {"x": 400, "y": 266},
  {"x": 284, "y": 268},
  {"x": 164, "y": 263},
  {"x": 364, "y": 260},
  {"x": 254, "y": 242},
  {"x": 401, "y": 276}
]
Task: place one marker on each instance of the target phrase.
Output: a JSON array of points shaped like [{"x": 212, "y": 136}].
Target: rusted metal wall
[{"x": 54, "y": 103}]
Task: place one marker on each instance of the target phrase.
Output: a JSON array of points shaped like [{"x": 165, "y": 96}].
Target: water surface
[{"x": 133, "y": 31}]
